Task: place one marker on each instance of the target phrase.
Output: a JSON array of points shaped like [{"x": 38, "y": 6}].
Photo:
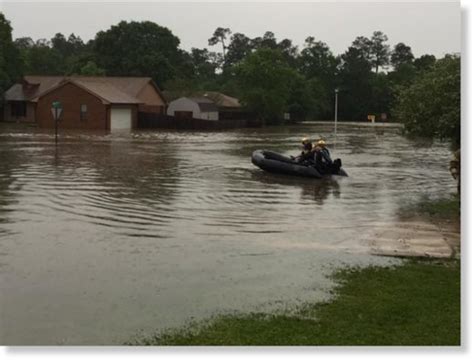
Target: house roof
[
  {"x": 205, "y": 104},
  {"x": 117, "y": 90},
  {"x": 106, "y": 92},
  {"x": 31, "y": 87},
  {"x": 16, "y": 93},
  {"x": 222, "y": 100}
]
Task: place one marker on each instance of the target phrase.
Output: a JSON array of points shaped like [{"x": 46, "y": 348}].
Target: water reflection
[
  {"x": 9, "y": 160},
  {"x": 322, "y": 190},
  {"x": 358, "y": 143},
  {"x": 317, "y": 190},
  {"x": 115, "y": 182}
]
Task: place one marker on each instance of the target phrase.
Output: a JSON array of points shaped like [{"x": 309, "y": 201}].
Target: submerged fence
[{"x": 153, "y": 121}]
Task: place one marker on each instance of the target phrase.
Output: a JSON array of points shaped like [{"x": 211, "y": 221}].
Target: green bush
[{"x": 431, "y": 105}]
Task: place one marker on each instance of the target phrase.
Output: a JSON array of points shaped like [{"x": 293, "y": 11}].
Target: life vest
[{"x": 323, "y": 156}]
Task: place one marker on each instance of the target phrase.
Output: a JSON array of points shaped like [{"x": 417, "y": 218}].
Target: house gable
[
  {"x": 72, "y": 97},
  {"x": 58, "y": 87},
  {"x": 150, "y": 95}
]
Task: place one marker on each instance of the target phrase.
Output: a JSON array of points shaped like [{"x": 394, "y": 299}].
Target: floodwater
[{"x": 112, "y": 236}]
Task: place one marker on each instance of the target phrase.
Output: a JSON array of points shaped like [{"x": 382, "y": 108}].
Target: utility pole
[{"x": 336, "y": 91}]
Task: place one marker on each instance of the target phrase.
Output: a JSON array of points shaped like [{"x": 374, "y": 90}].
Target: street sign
[
  {"x": 56, "y": 113},
  {"x": 56, "y": 109},
  {"x": 57, "y": 104}
]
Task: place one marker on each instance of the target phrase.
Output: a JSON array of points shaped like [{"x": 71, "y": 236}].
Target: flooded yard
[{"x": 115, "y": 235}]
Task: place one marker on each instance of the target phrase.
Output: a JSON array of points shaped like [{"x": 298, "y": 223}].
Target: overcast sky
[{"x": 428, "y": 27}]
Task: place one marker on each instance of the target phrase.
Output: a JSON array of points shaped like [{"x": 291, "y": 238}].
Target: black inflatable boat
[{"x": 279, "y": 163}]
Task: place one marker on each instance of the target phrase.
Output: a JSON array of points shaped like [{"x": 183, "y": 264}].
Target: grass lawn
[
  {"x": 417, "y": 303},
  {"x": 445, "y": 209}
]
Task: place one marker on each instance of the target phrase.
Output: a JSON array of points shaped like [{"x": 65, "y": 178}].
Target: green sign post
[{"x": 56, "y": 109}]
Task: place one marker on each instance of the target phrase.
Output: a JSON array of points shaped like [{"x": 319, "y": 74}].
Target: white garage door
[{"x": 120, "y": 118}]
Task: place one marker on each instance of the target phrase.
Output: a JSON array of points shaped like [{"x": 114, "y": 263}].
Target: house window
[
  {"x": 18, "y": 109},
  {"x": 83, "y": 111}
]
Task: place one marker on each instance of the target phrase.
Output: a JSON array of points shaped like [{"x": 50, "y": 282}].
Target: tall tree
[
  {"x": 403, "y": 75},
  {"x": 10, "y": 60},
  {"x": 60, "y": 43},
  {"x": 308, "y": 98},
  {"x": 74, "y": 53},
  {"x": 220, "y": 36},
  {"x": 355, "y": 79},
  {"x": 58, "y": 56},
  {"x": 138, "y": 49},
  {"x": 424, "y": 62},
  {"x": 364, "y": 47},
  {"x": 264, "y": 79},
  {"x": 401, "y": 54},
  {"x": 319, "y": 65},
  {"x": 375, "y": 50},
  {"x": 204, "y": 63},
  {"x": 317, "y": 61},
  {"x": 267, "y": 41},
  {"x": 24, "y": 43},
  {"x": 239, "y": 47},
  {"x": 381, "y": 94},
  {"x": 380, "y": 50},
  {"x": 404, "y": 71},
  {"x": 289, "y": 52},
  {"x": 73, "y": 45},
  {"x": 41, "y": 59}
]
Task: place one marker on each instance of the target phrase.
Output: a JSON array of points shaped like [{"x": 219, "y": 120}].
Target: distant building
[
  {"x": 193, "y": 107},
  {"x": 228, "y": 107},
  {"x": 207, "y": 105},
  {"x": 88, "y": 102}
]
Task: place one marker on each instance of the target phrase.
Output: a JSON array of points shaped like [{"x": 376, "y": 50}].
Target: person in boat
[
  {"x": 321, "y": 153},
  {"x": 306, "y": 154},
  {"x": 322, "y": 159}
]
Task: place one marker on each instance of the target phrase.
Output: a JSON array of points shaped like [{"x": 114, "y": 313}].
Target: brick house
[{"x": 88, "y": 102}]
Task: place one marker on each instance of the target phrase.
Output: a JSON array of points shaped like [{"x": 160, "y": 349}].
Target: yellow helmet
[
  {"x": 305, "y": 140},
  {"x": 321, "y": 142}
]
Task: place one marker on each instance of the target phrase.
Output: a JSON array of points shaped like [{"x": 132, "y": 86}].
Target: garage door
[{"x": 120, "y": 118}]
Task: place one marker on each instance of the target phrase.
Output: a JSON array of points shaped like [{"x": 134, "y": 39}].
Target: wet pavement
[{"x": 116, "y": 235}]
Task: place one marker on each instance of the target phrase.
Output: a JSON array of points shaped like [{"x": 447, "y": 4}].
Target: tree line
[{"x": 271, "y": 76}]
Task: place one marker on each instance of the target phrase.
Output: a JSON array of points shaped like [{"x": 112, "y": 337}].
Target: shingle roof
[
  {"x": 16, "y": 93},
  {"x": 222, "y": 100},
  {"x": 118, "y": 90},
  {"x": 31, "y": 87},
  {"x": 107, "y": 91},
  {"x": 128, "y": 85}
]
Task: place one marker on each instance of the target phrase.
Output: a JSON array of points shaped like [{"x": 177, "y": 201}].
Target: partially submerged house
[
  {"x": 228, "y": 107},
  {"x": 206, "y": 106},
  {"x": 193, "y": 107},
  {"x": 88, "y": 102}
]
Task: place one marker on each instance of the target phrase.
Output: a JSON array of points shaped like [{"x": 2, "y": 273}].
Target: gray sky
[{"x": 428, "y": 27}]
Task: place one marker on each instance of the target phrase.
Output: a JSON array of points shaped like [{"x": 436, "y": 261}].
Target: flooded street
[{"x": 116, "y": 235}]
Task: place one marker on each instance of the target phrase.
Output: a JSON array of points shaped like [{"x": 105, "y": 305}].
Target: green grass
[
  {"x": 448, "y": 208},
  {"x": 417, "y": 303}
]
